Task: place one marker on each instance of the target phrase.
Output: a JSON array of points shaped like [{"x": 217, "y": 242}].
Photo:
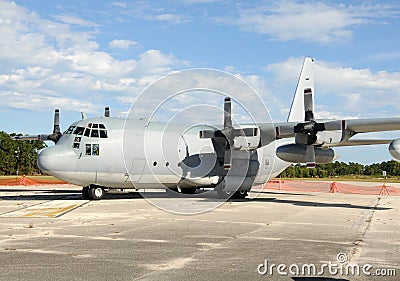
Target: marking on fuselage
[{"x": 50, "y": 209}]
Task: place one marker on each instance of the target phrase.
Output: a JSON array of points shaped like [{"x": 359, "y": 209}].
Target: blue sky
[{"x": 84, "y": 55}]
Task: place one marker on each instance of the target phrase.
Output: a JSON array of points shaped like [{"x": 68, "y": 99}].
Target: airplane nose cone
[{"x": 54, "y": 159}]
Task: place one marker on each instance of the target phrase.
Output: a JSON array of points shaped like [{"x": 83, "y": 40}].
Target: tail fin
[{"x": 306, "y": 82}]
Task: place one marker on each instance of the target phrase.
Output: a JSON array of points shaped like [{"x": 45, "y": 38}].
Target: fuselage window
[
  {"x": 88, "y": 149},
  {"x": 77, "y": 139},
  {"x": 87, "y": 132},
  {"x": 95, "y": 133},
  {"x": 95, "y": 150},
  {"x": 76, "y": 145},
  {"x": 70, "y": 130},
  {"x": 79, "y": 130},
  {"x": 103, "y": 134}
]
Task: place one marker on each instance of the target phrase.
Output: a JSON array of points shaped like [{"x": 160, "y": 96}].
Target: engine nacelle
[
  {"x": 394, "y": 149},
  {"x": 295, "y": 153}
]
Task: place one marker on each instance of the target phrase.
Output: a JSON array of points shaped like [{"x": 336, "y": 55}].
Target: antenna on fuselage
[
  {"x": 83, "y": 115},
  {"x": 107, "y": 112}
]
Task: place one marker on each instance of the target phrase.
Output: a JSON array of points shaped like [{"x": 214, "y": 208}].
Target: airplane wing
[
  {"x": 372, "y": 125},
  {"x": 359, "y": 142}
]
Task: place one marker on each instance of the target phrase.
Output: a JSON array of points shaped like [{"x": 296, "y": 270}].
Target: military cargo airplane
[{"x": 92, "y": 152}]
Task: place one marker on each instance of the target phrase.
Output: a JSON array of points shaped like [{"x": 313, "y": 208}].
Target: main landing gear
[
  {"x": 223, "y": 194},
  {"x": 93, "y": 192}
]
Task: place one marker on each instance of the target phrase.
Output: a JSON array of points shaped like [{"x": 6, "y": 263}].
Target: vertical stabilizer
[{"x": 305, "y": 86}]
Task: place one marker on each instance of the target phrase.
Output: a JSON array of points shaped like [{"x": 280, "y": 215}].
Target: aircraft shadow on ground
[
  {"x": 210, "y": 196},
  {"x": 318, "y": 204}
]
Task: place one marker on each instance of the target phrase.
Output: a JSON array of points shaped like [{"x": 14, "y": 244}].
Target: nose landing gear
[{"x": 93, "y": 192}]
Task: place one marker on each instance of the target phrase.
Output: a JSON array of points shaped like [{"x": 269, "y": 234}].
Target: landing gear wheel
[
  {"x": 85, "y": 193},
  {"x": 96, "y": 193},
  {"x": 189, "y": 190},
  {"x": 240, "y": 194},
  {"x": 223, "y": 194}
]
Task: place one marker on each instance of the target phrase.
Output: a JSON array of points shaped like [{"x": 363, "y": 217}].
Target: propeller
[
  {"x": 56, "y": 135},
  {"x": 306, "y": 132},
  {"x": 228, "y": 133},
  {"x": 107, "y": 111}
]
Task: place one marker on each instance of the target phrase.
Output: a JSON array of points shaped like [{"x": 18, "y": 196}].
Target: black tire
[
  {"x": 222, "y": 194},
  {"x": 240, "y": 194},
  {"x": 85, "y": 193},
  {"x": 96, "y": 193},
  {"x": 189, "y": 190}
]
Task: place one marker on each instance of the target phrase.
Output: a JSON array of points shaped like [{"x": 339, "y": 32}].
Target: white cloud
[
  {"x": 121, "y": 43},
  {"x": 307, "y": 21},
  {"x": 74, "y": 20},
  {"x": 44, "y": 62},
  {"x": 345, "y": 91},
  {"x": 168, "y": 17}
]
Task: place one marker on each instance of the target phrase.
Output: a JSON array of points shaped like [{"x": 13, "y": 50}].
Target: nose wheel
[{"x": 93, "y": 192}]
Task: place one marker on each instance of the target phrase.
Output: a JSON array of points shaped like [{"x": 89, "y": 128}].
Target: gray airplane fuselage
[{"x": 123, "y": 153}]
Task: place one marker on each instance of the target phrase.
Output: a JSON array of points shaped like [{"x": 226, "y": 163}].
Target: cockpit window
[
  {"x": 94, "y": 134},
  {"x": 94, "y": 130},
  {"x": 79, "y": 131},
  {"x": 69, "y": 130}
]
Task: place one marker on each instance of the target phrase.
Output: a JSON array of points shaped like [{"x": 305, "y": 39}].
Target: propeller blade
[
  {"x": 227, "y": 156},
  {"x": 308, "y": 105},
  {"x": 56, "y": 128},
  {"x": 107, "y": 111},
  {"x": 227, "y": 112},
  {"x": 310, "y": 156}
]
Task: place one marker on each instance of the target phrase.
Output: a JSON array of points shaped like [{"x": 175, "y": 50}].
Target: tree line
[
  {"x": 18, "y": 157},
  {"x": 337, "y": 168}
]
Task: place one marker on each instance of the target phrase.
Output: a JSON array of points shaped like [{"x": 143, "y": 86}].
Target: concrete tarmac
[{"x": 50, "y": 233}]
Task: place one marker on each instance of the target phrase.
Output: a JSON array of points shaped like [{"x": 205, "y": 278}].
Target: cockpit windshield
[
  {"x": 92, "y": 130},
  {"x": 95, "y": 130}
]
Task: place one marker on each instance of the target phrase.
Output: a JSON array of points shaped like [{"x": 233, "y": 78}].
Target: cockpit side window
[
  {"x": 79, "y": 131},
  {"x": 70, "y": 130},
  {"x": 87, "y": 132}
]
